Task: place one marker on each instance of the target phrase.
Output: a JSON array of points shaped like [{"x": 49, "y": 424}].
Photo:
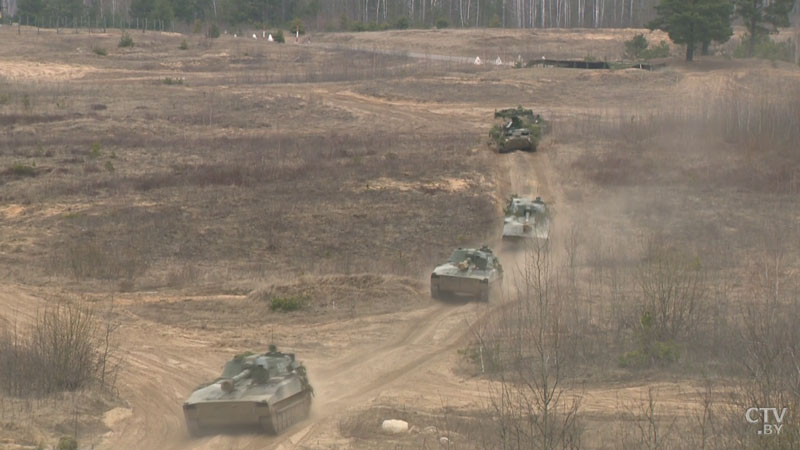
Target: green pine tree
[
  {"x": 693, "y": 22},
  {"x": 757, "y": 13},
  {"x": 162, "y": 10},
  {"x": 141, "y": 8},
  {"x": 31, "y": 8}
]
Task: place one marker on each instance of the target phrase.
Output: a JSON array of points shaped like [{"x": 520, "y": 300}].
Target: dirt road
[{"x": 163, "y": 366}]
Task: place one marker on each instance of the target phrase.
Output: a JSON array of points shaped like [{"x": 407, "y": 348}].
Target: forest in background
[{"x": 341, "y": 15}]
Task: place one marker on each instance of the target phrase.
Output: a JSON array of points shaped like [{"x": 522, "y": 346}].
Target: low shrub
[
  {"x": 766, "y": 48},
  {"x": 659, "y": 354},
  {"x": 62, "y": 350},
  {"x": 660, "y": 51},
  {"x": 639, "y": 48},
  {"x": 297, "y": 26},
  {"x": 67, "y": 443},
  {"x": 402, "y": 23},
  {"x": 485, "y": 357},
  {"x": 22, "y": 170},
  {"x": 213, "y": 31},
  {"x": 171, "y": 81},
  {"x": 95, "y": 151},
  {"x": 635, "y": 46},
  {"x": 289, "y": 303},
  {"x": 652, "y": 351},
  {"x": 125, "y": 41}
]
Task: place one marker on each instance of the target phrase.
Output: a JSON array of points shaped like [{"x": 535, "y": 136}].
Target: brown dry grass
[
  {"x": 323, "y": 298},
  {"x": 490, "y": 43},
  {"x": 148, "y": 175}
]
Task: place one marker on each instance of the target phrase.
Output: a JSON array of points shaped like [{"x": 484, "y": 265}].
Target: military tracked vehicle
[
  {"x": 473, "y": 272},
  {"x": 270, "y": 390},
  {"x": 526, "y": 219},
  {"x": 521, "y": 130}
]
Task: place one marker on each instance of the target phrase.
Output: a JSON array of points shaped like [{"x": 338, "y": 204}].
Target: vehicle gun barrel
[{"x": 228, "y": 384}]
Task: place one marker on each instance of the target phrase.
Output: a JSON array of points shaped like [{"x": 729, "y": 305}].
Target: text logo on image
[{"x": 770, "y": 418}]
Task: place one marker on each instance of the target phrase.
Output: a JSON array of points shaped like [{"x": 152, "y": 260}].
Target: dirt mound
[
  {"x": 307, "y": 298},
  {"x": 26, "y": 70},
  {"x": 326, "y": 293}
]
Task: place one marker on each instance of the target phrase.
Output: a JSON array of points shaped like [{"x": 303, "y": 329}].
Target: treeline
[
  {"x": 334, "y": 15},
  {"x": 360, "y": 15},
  {"x": 494, "y": 13}
]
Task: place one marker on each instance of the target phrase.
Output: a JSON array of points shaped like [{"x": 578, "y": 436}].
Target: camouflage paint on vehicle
[
  {"x": 521, "y": 130},
  {"x": 473, "y": 272},
  {"x": 269, "y": 389},
  {"x": 526, "y": 219}
]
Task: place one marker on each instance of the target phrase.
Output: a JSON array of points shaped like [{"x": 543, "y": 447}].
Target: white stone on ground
[{"x": 394, "y": 426}]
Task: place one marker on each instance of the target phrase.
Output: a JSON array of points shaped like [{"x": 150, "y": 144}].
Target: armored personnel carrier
[
  {"x": 526, "y": 219},
  {"x": 521, "y": 130},
  {"x": 473, "y": 272},
  {"x": 269, "y": 389}
]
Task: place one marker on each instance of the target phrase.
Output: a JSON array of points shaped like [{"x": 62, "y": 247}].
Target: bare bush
[
  {"x": 672, "y": 286},
  {"x": 649, "y": 428},
  {"x": 66, "y": 348},
  {"x": 769, "y": 346},
  {"x": 532, "y": 340}
]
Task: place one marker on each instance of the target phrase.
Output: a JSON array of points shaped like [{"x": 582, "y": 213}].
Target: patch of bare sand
[
  {"x": 383, "y": 101},
  {"x": 445, "y": 184},
  {"x": 35, "y": 71},
  {"x": 19, "y": 307},
  {"x": 17, "y": 211},
  {"x": 12, "y": 211},
  {"x": 116, "y": 415}
]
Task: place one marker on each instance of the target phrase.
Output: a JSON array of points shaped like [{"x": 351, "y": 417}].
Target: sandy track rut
[{"x": 159, "y": 373}]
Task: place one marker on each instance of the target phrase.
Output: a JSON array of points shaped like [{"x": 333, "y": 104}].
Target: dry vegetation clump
[
  {"x": 66, "y": 348},
  {"x": 309, "y": 297},
  {"x": 331, "y": 292},
  {"x": 57, "y": 373},
  {"x": 317, "y": 297}
]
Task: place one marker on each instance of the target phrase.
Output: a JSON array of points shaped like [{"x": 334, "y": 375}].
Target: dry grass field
[{"x": 178, "y": 197}]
